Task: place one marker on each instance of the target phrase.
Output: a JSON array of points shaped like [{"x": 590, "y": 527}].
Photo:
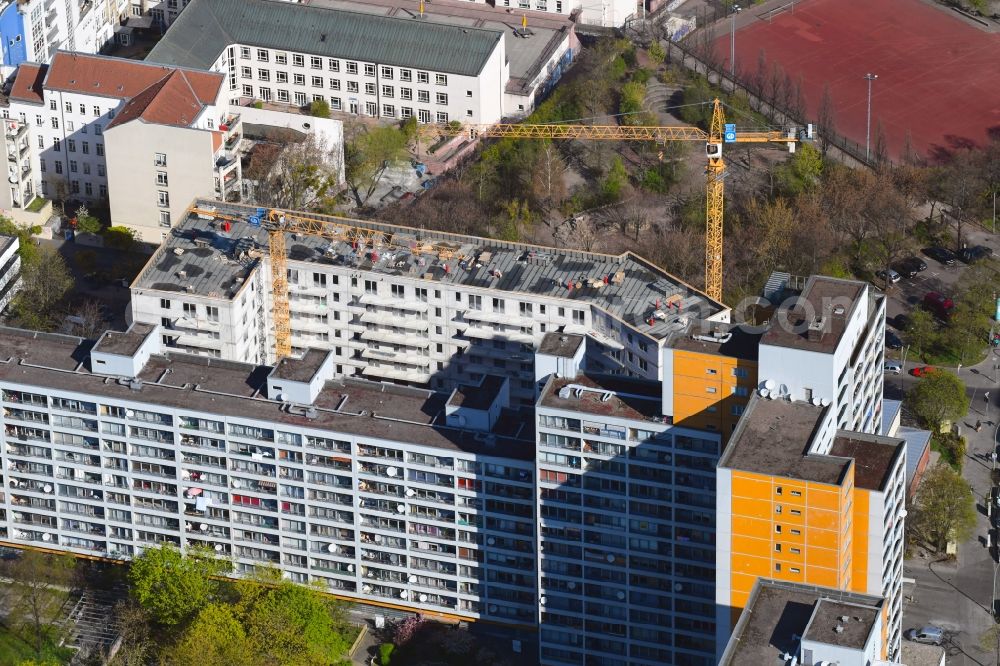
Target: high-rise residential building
[
  {"x": 113, "y": 447},
  {"x": 800, "y": 500},
  {"x": 401, "y": 311},
  {"x": 795, "y": 623},
  {"x": 825, "y": 345}
]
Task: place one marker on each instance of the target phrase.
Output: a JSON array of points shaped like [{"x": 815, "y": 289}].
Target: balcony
[
  {"x": 15, "y": 129},
  {"x": 225, "y": 161}
]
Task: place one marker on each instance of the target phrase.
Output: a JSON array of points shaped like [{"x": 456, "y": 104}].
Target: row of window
[
  {"x": 371, "y": 109},
  {"x": 73, "y": 167},
  {"x": 350, "y": 67},
  {"x": 389, "y": 91},
  {"x": 71, "y": 146}
]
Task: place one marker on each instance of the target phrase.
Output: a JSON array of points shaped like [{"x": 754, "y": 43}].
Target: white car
[{"x": 895, "y": 367}]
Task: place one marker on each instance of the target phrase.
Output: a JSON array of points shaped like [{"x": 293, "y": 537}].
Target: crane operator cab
[{"x": 713, "y": 150}]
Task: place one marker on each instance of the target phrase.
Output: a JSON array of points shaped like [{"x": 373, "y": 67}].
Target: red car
[{"x": 922, "y": 371}]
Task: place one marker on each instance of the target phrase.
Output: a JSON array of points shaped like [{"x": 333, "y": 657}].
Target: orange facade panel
[{"x": 859, "y": 540}]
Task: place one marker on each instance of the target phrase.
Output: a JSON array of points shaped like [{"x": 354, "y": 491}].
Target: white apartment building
[
  {"x": 826, "y": 345},
  {"x": 362, "y": 64},
  {"x": 10, "y": 269},
  {"x": 68, "y": 104},
  {"x": 359, "y": 486},
  {"x": 402, "y": 314}
]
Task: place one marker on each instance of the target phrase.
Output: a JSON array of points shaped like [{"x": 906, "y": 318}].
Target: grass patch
[
  {"x": 951, "y": 447},
  {"x": 14, "y": 649},
  {"x": 36, "y": 205}
]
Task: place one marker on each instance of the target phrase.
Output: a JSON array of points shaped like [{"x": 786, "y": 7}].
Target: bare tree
[
  {"x": 301, "y": 173},
  {"x": 826, "y": 120},
  {"x": 88, "y": 319},
  {"x": 880, "y": 150},
  {"x": 548, "y": 181},
  {"x": 137, "y": 644}
]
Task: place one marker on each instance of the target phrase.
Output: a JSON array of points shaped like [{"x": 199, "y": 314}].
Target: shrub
[{"x": 385, "y": 653}]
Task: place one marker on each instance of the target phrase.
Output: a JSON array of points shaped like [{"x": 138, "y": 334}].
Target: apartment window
[
  {"x": 100, "y": 170},
  {"x": 369, "y": 70},
  {"x": 212, "y": 312},
  {"x": 246, "y": 72},
  {"x": 369, "y": 88},
  {"x": 795, "y": 551},
  {"x": 160, "y": 159},
  {"x": 441, "y": 98},
  {"x": 264, "y": 74},
  {"x": 41, "y": 165},
  {"x": 333, "y": 65},
  {"x": 423, "y": 115},
  {"x": 282, "y": 95},
  {"x": 794, "y": 570},
  {"x": 38, "y": 120},
  {"x": 406, "y": 93},
  {"x": 56, "y": 144},
  {"x": 352, "y": 86},
  {"x": 97, "y": 111},
  {"x": 423, "y": 77},
  {"x": 300, "y": 98},
  {"x": 162, "y": 198},
  {"x": 72, "y": 166},
  {"x": 68, "y": 106},
  {"x": 441, "y": 79},
  {"x": 165, "y": 303},
  {"x": 190, "y": 309},
  {"x": 388, "y": 91},
  {"x": 53, "y": 106},
  {"x": 777, "y": 566},
  {"x": 245, "y": 52},
  {"x": 317, "y": 81},
  {"x": 55, "y": 123},
  {"x": 299, "y": 79},
  {"x": 335, "y": 103},
  {"x": 263, "y": 55},
  {"x": 371, "y": 109},
  {"x": 352, "y": 67},
  {"x": 468, "y": 93},
  {"x": 164, "y": 222},
  {"x": 298, "y": 60},
  {"x": 86, "y": 169},
  {"x": 281, "y": 58},
  {"x": 161, "y": 178},
  {"x": 70, "y": 127},
  {"x": 334, "y": 84},
  {"x": 796, "y": 493},
  {"x": 281, "y": 77},
  {"x": 71, "y": 145},
  {"x": 102, "y": 190},
  {"x": 41, "y": 141},
  {"x": 777, "y": 547},
  {"x": 265, "y": 93},
  {"x": 247, "y": 91},
  {"x": 388, "y": 110},
  {"x": 59, "y": 168},
  {"x": 97, "y": 130},
  {"x": 316, "y": 62},
  {"x": 778, "y": 490},
  {"x": 406, "y": 112},
  {"x": 74, "y": 187},
  {"x": 423, "y": 96}
]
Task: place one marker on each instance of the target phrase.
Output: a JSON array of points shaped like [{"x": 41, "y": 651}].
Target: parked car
[
  {"x": 890, "y": 277},
  {"x": 910, "y": 266},
  {"x": 971, "y": 255},
  {"x": 929, "y": 634},
  {"x": 923, "y": 370},
  {"x": 893, "y": 367},
  {"x": 901, "y": 322},
  {"x": 892, "y": 340},
  {"x": 939, "y": 304},
  {"x": 940, "y": 254}
]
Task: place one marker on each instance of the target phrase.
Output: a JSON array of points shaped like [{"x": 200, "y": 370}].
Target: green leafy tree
[
  {"x": 121, "y": 238},
  {"x": 172, "y": 587},
  {"x": 87, "y": 223},
  {"x": 293, "y": 624},
  {"x": 921, "y": 331},
  {"x": 45, "y": 281},
  {"x": 27, "y": 247},
  {"x": 40, "y": 584},
  {"x": 319, "y": 108},
  {"x": 657, "y": 54},
  {"x": 615, "y": 182},
  {"x": 802, "y": 171},
  {"x": 938, "y": 397},
  {"x": 367, "y": 157},
  {"x": 216, "y": 637},
  {"x": 944, "y": 508}
]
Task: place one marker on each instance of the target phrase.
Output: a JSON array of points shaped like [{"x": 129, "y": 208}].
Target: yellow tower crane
[{"x": 278, "y": 223}]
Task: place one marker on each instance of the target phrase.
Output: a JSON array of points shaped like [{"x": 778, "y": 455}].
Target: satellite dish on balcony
[
  {"x": 391, "y": 471},
  {"x": 218, "y": 547},
  {"x": 423, "y": 598}
]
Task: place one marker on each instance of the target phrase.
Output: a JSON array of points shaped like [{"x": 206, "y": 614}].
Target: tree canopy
[
  {"x": 944, "y": 508},
  {"x": 172, "y": 586},
  {"x": 938, "y": 397},
  {"x": 368, "y": 155}
]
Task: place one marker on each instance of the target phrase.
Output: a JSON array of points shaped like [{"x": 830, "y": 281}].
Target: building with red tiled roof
[{"x": 96, "y": 119}]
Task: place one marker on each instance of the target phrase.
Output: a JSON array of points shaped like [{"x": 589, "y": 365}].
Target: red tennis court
[{"x": 938, "y": 77}]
